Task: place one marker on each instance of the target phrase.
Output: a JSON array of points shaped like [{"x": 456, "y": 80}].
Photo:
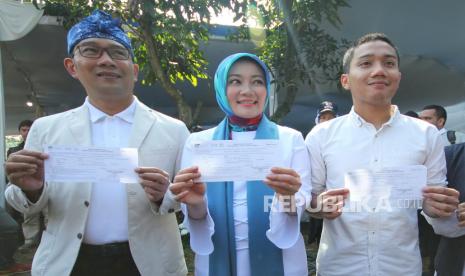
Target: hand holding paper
[
  {"x": 230, "y": 160},
  {"x": 329, "y": 204},
  {"x": 440, "y": 201},
  {"x": 393, "y": 183},
  {"x": 189, "y": 191},
  {"x": 25, "y": 169},
  {"x": 90, "y": 164},
  {"x": 155, "y": 182},
  {"x": 185, "y": 188},
  {"x": 283, "y": 181}
]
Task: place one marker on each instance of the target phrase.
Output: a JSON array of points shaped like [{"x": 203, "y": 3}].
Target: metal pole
[
  {"x": 273, "y": 101},
  {"x": 2, "y": 134}
]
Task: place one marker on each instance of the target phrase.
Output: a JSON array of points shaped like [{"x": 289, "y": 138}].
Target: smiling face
[
  {"x": 374, "y": 75},
  {"x": 103, "y": 77},
  {"x": 246, "y": 89}
]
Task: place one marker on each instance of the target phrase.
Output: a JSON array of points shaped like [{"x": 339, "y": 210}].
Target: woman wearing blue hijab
[{"x": 231, "y": 231}]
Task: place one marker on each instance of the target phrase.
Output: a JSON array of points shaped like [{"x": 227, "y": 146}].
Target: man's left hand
[
  {"x": 461, "y": 214},
  {"x": 155, "y": 183},
  {"x": 440, "y": 201}
]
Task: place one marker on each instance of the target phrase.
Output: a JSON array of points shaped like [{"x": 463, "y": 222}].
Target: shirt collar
[
  {"x": 125, "y": 115},
  {"x": 442, "y": 130},
  {"x": 359, "y": 121}
]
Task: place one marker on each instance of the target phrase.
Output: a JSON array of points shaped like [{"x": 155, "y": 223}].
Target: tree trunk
[
  {"x": 291, "y": 52},
  {"x": 285, "y": 107},
  {"x": 184, "y": 110}
]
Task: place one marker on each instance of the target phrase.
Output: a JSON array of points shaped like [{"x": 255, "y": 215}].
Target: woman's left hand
[{"x": 284, "y": 181}]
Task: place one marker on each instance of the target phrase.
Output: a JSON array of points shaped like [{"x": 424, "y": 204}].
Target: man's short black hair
[
  {"x": 349, "y": 55},
  {"x": 440, "y": 111},
  {"x": 25, "y": 123},
  {"x": 412, "y": 114}
]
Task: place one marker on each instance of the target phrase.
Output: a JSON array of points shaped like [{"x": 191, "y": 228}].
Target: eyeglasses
[{"x": 118, "y": 53}]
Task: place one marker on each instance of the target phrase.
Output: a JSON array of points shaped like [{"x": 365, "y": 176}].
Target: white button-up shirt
[
  {"x": 371, "y": 242},
  {"x": 108, "y": 209}
]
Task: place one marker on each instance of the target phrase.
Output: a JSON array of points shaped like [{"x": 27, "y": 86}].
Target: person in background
[
  {"x": 31, "y": 225},
  {"x": 9, "y": 242},
  {"x": 437, "y": 115},
  {"x": 450, "y": 256},
  {"x": 412, "y": 114},
  {"x": 326, "y": 111},
  {"x": 105, "y": 227},
  {"x": 23, "y": 129},
  {"x": 231, "y": 233},
  {"x": 427, "y": 239}
]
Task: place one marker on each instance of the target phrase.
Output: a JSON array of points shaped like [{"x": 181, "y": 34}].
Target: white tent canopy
[{"x": 16, "y": 20}]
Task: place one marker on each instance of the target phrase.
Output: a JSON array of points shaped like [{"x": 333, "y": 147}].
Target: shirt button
[
  {"x": 86, "y": 203},
  {"x": 79, "y": 236},
  {"x": 376, "y": 160}
]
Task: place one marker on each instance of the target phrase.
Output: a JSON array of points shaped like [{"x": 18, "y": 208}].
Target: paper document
[
  {"x": 229, "y": 160},
  {"x": 90, "y": 164},
  {"x": 394, "y": 183}
]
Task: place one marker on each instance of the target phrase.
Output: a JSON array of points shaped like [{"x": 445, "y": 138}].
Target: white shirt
[
  {"x": 284, "y": 229},
  {"x": 371, "y": 243},
  {"x": 107, "y": 221},
  {"x": 459, "y": 137}
]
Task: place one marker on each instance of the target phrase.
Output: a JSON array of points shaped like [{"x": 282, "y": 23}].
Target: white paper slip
[
  {"x": 393, "y": 183},
  {"x": 90, "y": 164},
  {"x": 230, "y": 160}
]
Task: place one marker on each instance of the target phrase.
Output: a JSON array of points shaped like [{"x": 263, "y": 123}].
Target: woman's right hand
[{"x": 185, "y": 189}]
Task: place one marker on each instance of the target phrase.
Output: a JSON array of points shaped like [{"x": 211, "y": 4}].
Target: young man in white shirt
[{"x": 373, "y": 136}]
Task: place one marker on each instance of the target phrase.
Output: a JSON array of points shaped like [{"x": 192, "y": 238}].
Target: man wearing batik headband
[
  {"x": 232, "y": 234},
  {"x": 103, "y": 227}
]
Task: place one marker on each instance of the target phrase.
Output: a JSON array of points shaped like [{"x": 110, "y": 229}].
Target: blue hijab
[{"x": 265, "y": 257}]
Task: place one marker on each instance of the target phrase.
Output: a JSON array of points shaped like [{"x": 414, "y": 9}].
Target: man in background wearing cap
[
  {"x": 327, "y": 111},
  {"x": 104, "y": 227}
]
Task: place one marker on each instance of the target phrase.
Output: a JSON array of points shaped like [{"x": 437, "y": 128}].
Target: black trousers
[
  {"x": 105, "y": 260},
  {"x": 315, "y": 227},
  {"x": 429, "y": 242}
]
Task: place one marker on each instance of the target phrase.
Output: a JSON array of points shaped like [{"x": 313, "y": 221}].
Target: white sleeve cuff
[
  {"x": 284, "y": 229},
  {"x": 201, "y": 232},
  {"x": 447, "y": 226}
]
